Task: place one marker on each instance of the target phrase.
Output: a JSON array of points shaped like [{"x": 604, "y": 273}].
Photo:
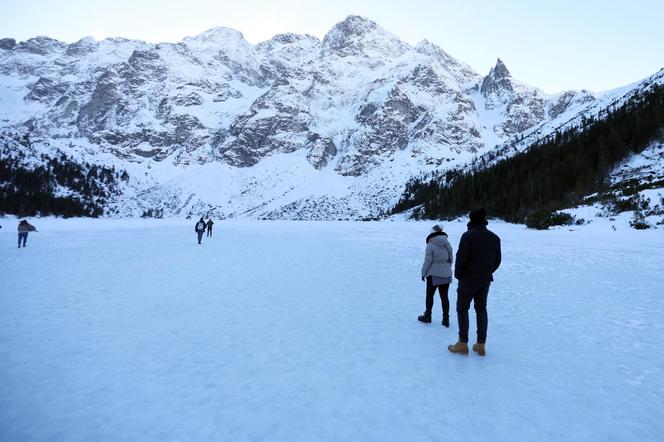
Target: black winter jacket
[{"x": 478, "y": 255}]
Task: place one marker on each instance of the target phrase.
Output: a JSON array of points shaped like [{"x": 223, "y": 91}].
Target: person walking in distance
[
  {"x": 209, "y": 227},
  {"x": 200, "y": 229},
  {"x": 437, "y": 270},
  {"x": 24, "y": 228},
  {"x": 477, "y": 258}
]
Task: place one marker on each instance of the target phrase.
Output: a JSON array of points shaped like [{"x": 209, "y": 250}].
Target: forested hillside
[
  {"x": 52, "y": 185},
  {"x": 552, "y": 174}
]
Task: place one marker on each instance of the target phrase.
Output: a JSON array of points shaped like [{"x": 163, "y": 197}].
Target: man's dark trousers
[{"x": 476, "y": 293}]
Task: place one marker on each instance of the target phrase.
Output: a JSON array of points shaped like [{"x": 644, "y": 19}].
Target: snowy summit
[{"x": 290, "y": 128}]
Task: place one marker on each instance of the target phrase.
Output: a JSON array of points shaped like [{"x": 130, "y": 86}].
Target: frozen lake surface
[{"x": 129, "y": 330}]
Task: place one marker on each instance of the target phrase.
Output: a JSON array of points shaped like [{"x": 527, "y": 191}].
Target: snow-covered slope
[
  {"x": 635, "y": 192},
  {"x": 568, "y": 110},
  {"x": 293, "y": 127}
]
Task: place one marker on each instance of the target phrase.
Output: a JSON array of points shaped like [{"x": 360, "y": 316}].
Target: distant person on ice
[
  {"x": 477, "y": 258},
  {"x": 24, "y": 228},
  {"x": 209, "y": 227},
  {"x": 437, "y": 270},
  {"x": 200, "y": 229}
]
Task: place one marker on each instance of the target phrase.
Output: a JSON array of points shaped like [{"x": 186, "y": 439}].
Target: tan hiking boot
[
  {"x": 479, "y": 348},
  {"x": 459, "y": 347}
]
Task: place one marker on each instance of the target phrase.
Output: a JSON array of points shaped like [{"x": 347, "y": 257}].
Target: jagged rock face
[
  {"x": 46, "y": 90},
  {"x": 498, "y": 82},
  {"x": 351, "y": 104},
  {"x": 285, "y": 54},
  {"x": 277, "y": 122},
  {"x": 7, "y": 44},
  {"x": 98, "y": 114},
  {"x": 357, "y": 36},
  {"x": 568, "y": 100},
  {"x": 242, "y": 103},
  {"x": 402, "y": 118},
  {"x": 522, "y": 113},
  {"x": 84, "y": 46},
  {"x": 40, "y": 46},
  {"x": 385, "y": 131},
  {"x": 462, "y": 73},
  {"x": 321, "y": 151},
  {"x": 522, "y": 106}
]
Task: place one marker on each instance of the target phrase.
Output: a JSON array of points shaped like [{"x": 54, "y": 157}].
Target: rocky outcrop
[
  {"x": 522, "y": 106},
  {"x": 275, "y": 124},
  {"x": 40, "y": 46},
  {"x": 568, "y": 100},
  {"x": 7, "y": 44},
  {"x": 497, "y": 84},
  {"x": 360, "y": 37},
  {"x": 82, "y": 47},
  {"x": 321, "y": 150},
  {"x": 104, "y": 106}
]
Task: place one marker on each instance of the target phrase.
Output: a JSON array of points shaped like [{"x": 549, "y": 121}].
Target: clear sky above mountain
[{"x": 566, "y": 44}]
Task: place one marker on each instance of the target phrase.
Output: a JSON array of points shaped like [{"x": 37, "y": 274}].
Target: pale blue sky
[{"x": 555, "y": 45}]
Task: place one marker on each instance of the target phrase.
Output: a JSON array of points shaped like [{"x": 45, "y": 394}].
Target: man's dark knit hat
[{"x": 478, "y": 215}]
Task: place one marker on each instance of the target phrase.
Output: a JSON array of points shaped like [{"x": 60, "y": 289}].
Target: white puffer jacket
[{"x": 438, "y": 258}]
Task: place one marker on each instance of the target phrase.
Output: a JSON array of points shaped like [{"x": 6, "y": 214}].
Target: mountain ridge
[{"x": 357, "y": 114}]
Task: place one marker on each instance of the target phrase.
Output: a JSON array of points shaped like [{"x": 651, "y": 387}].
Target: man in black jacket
[
  {"x": 477, "y": 258},
  {"x": 209, "y": 227}
]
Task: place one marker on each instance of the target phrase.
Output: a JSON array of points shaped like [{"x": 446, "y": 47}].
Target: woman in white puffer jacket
[{"x": 437, "y": 270}]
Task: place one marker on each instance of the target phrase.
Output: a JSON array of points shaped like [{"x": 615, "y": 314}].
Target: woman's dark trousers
[{"x": 431, "y": 291}]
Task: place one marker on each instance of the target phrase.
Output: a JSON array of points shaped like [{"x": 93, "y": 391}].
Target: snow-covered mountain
[{"x": 293, "y": 127}]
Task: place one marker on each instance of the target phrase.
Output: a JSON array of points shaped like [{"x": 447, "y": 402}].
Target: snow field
[{"x": 128, "y": 330}]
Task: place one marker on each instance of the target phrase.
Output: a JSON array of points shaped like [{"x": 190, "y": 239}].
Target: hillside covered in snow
[
  {"x": 611, "y": 159},
  {"x": 291, "y": 128}
]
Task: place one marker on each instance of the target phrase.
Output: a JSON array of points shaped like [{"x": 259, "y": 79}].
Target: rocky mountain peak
[
  {"x": 500, "y": 71},
  {"x": 499, "y": 80},
  {"x": 7, "y": 43},
  {"x": 426, "y": 47},
  {"x": 218, "y": 36},
  {"x": 40, "y": 45},
  {"x": 361, "y": 37},
  {"x": 227, "y": 46},
  {"x": 354, "y": 25},
  {"x": 84, "y": 46}
]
